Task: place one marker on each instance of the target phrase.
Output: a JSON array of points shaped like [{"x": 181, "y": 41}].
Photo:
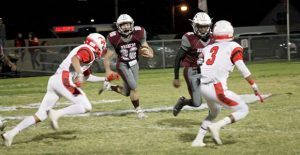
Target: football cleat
[
  {"x": 198, "y": 143},
  {"x": 140, "y": 113},
  {"x": 7, "y": 138},
  {"x": 54, "y": 119},
  {"x": 215, "y": 131},
  {"x": 106, "y": 86},
  {"x": 179, "y": 105}
]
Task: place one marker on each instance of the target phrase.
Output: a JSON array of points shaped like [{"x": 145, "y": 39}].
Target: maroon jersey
[
  {"x": 19, "y": 42},
  {"x": 127, "y": 51},
  {"x": 193, "y": 45}
]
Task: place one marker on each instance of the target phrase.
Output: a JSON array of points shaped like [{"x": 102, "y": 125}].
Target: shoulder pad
[
  {"x": 111, "y": 34},
  {"x": 189, "y": 33},
  {"x": 137, "y": 28}
]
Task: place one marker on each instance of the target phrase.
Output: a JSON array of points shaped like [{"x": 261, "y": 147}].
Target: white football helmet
[
  {"x": 201, "y": 24},
  {"x": 98, "y": 42},
  {"x": 125, "y": 18},
  {"x": 223, "y": 31}
]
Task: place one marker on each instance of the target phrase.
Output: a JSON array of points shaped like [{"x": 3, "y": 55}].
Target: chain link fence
[{"x": 44, "y": 60}]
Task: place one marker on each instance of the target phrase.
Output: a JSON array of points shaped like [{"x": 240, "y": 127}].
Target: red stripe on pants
[
  {"x": 66, "y": 83},
  {"x": 221, "y": 96}
]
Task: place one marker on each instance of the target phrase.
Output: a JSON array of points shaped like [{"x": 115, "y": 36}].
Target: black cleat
[
  {"x": 2, "y": 127},
  {"x": 179, "y": 105}
]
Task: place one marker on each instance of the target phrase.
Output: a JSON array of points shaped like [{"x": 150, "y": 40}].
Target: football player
[
  {"x": 219, "y": 60},
  {"x": 192, "y": 44},
  {"x": 67, "y": 83},
  {"x": 126, "y": 42}
]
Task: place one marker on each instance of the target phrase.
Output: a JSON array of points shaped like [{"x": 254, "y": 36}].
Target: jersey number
[{"x": 213, "y": 51}]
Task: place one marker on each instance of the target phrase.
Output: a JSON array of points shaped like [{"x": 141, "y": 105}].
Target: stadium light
[{"x": 183, "y": 7}]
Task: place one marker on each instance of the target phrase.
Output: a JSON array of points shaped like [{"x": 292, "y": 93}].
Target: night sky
[{"x": 154, "y": 15}]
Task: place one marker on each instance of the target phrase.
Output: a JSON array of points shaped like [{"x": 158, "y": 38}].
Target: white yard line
[{"x": 249, "y": 98}]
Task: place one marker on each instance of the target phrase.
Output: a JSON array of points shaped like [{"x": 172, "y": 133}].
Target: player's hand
[
  {"x": 145, "y": 52},
  {"x": 257, "y": 92},
  {"x": 111, "y": 75},
  {"x": 176, "y": 83},
  {"x": 13, "y": 67},
  {"x": 79, "y": 79}
]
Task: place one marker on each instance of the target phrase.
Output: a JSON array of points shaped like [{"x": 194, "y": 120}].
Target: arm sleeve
[
  {"x": 237, "y": 54},
  {"x": 84, "y": 55},
  {"x": 240, "y": 65},
  {"x": 93, "y": 78},
  {"x": 180, "y": 55}
]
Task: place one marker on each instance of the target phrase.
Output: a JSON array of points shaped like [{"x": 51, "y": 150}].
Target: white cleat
[
  {"x": 54, "y": 119},
  {"x": 215, "y": 131},
  {"x": 7, "y": 138},
  {"x": 106, "y": 87},
  {"x": 141, "y": 114},
  {"x": 198, "y": 143}
]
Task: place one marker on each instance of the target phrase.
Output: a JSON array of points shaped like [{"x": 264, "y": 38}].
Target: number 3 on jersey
[{"x": 213, "y": 51}]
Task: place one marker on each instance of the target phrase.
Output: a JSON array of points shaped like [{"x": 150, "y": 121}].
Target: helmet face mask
[
  {"x": 97, "y": 42},
  {"x": 201, "y": 24},
  {"x": 223, "y": 31},
  {"x": 125, "y": 24},
  {"x": 201, "y": 30}
]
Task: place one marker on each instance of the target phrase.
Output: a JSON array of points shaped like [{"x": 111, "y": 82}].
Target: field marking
[
  {"x": 36, "y": 105},
  {"x": 249, "y": 98}
]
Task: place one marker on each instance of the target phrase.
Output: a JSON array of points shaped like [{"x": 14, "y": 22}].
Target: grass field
[{"x": 270, "y": 128}]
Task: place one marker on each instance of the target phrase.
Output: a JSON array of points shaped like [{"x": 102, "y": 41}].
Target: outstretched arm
[{"x": 247, "y": 75}]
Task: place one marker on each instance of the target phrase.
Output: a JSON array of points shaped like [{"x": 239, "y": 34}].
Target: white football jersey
[
  {"x": 66, "y": 65},
  {"x": 218, "y": 62}
]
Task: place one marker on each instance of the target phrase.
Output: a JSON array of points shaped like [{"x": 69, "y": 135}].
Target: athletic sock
[{"x": 28, "y": 121}]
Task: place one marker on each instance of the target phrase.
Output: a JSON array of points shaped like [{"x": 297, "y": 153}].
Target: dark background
[{"x": 154, "y": 15}]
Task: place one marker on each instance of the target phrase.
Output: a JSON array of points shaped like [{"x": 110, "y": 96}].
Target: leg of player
[
  {"x": 198, "y": 141},
  {"x": 81, "y": 105},
  {"x": 213, "y": 112},
  {"x": 48, "y": 102},
  {"x": 136, "y": 104},
  {"x": 181, "y": 102},
  {"x": 241, "y": 110}
]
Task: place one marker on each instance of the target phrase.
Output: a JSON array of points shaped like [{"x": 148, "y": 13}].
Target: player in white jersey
[
  {"x": 66, "y": 82},
  {"x": 217, "y": 62}
]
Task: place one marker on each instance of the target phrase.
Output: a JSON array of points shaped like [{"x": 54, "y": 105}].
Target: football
[{"x": 145, "y": 52}]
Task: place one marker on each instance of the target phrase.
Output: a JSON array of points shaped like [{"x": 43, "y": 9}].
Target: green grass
[{"x": 270, "y": 128}]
